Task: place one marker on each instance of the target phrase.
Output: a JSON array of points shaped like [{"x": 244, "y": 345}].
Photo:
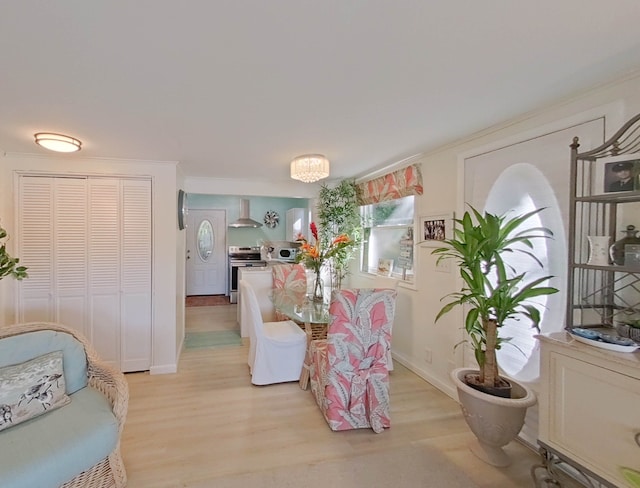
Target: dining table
[{"x": 312, "y": 316}]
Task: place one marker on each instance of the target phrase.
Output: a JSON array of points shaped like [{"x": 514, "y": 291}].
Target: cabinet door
[
  {"x": 297, "y": 223},
  {"x": 594, "y": 416}
]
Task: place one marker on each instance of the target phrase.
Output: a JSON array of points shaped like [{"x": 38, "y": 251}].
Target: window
[
  {"x": 519, "y": 189},
  {"x": 388, "y": 226}
]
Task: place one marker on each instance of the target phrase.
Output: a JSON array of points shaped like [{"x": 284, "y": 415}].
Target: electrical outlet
[{"x": 427, "y": 355}]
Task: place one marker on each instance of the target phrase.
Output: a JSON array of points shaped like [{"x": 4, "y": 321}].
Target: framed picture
[
  {"x": 617, "y": 174},
  {"x": 435, "y": 228},
  {"x": 385, "y": 267}
]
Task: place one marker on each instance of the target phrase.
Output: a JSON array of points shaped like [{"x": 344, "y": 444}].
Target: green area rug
[{"x": 222, "y": 338}]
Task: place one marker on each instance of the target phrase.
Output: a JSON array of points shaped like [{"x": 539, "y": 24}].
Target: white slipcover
[{"x": 276, "y": 349}]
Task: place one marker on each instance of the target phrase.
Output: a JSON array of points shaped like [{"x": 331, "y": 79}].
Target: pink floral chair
[
  {"x": 293, "y": 277},
  {"x": 348, "y": 369}
]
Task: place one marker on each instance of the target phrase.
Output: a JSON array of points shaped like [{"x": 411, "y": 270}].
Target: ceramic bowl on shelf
[
  {"x": 611, "y": 342},
  {"x": 615, "y": 339},
  {"x": 586, "y": 333}
]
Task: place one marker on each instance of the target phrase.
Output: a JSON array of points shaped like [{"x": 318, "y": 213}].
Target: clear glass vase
[{"x": 318, "y": 289}]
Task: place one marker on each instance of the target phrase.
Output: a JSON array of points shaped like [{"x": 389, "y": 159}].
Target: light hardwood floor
[{"x": 208, "y": 421}]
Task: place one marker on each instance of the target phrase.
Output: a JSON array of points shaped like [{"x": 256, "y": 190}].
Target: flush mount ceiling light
[
  {"x": 57, "y": 142},
  {"x": 310, "y": 168}
]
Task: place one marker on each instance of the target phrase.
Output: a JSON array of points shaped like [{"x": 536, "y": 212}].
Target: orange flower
[
  {"x": 341, "y": 238},
  {"x": 314, "y": 256}
]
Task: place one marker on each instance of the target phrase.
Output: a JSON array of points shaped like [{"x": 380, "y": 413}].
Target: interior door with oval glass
[{"x": 206, "y": 252}]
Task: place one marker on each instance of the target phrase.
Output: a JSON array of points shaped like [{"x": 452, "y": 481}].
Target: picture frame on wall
[
  {"x": 617, "y": 174},
  {"x": 434, "y": 229}
]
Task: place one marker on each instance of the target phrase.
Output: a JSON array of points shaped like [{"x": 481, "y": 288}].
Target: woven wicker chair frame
[{"x": 110, "y": 472}]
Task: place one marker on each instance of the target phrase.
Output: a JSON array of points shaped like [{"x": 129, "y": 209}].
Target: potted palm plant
[
  {"x": 493, "y": 292},
  {"x": 9, "y": 265}
]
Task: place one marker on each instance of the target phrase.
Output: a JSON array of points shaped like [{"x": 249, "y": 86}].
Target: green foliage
[
  {"x": 339, "y": 214},
  {"x": 492, "y": 290},
  {"x": 8, "y": 265}
]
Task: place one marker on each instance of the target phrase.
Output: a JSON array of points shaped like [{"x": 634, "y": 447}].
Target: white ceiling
[{"x": 237, "y": 88}]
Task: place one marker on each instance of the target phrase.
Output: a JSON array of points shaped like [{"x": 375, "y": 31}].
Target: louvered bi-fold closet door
[
  {"x": 87, "y": 244},
  {"x": 120, "y": 271},
  {"x": 136, "y": 275},
  {"x": 53, "y": 242}
]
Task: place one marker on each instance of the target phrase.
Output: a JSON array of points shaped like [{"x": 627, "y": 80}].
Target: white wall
[
  {"x": 167, "y": 322},
  {"x": 220, "y": 186},
  {"x": 414, "y": 328}
]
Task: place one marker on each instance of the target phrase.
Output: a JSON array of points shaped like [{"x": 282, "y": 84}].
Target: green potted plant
[
  {"x": 493, "y": 292},
  {"x": 339, "y": 214},
  {"x": 9, "y": 265}
]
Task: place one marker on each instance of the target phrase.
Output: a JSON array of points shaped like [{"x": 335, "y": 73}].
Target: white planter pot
[{"x": 495, "y": 421}]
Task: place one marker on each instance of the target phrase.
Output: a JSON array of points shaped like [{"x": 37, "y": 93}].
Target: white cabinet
[
  {"x": 588, "y": 407},
  {"x": 87, "y": 244},
  {"x": 297, "y": 223}
]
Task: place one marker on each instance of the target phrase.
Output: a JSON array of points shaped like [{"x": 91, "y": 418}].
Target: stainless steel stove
[{"x": 241, "y": 257}]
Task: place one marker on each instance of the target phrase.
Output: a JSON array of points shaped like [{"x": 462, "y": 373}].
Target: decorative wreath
[{"x": 271, "y": 219}]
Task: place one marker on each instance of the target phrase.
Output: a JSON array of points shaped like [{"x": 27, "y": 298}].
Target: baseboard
[
  {"x": 164, "y": 369},
  {"x": 446, "y": 388}
]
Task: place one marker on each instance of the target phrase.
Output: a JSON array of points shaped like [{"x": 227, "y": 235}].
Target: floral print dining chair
[
  {"x": 292, "y": 277},
  {"x": 348, "y": 370}
]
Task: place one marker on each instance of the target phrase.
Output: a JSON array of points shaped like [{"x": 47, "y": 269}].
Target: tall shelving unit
[{"x": 601, "y": 295}]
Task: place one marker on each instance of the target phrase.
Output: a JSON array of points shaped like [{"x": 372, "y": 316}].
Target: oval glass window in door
[{"x": 205, "y": 240}]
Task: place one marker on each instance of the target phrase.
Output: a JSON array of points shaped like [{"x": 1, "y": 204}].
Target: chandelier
[{"x": 309, "y": 168}]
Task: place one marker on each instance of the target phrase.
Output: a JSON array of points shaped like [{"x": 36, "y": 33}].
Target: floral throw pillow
[{"x": 32, "y": 388}]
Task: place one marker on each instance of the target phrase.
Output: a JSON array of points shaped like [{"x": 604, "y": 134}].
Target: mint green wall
[{"x": 258, "y": 206}]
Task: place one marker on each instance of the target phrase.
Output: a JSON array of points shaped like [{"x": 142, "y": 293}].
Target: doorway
[{"x": 206, "y": 270}]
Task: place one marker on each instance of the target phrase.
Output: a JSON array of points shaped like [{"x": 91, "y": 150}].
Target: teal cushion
[
  {"x": 53, "y": 448},
  {"x": 20, "y": 348}
]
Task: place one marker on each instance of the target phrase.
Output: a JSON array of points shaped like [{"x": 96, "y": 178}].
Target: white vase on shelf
[{"x": 599, "y": 250}]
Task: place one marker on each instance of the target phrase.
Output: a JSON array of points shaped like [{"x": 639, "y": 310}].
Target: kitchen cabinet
[{"x": 297, "y": 223}]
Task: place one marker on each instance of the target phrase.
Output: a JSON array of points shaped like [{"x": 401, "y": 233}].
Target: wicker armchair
[{"x": 109, "y": 472}]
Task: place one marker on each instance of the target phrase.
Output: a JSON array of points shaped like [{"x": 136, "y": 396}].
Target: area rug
[
  {"x": 212, "y": 339},
  {"x": 206, "y": 300},
  {"x": 408, "y": 467}
]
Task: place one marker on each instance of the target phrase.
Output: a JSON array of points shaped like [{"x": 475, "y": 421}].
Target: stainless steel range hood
[{"x": 245, "y": 220}]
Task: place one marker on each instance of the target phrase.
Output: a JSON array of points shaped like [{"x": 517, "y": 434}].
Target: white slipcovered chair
[
  {"x": 261, "y": 281},
  {"x": 276, "y": 349}
]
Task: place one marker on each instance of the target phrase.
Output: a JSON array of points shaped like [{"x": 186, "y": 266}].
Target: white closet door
[
  {"x": 70, "y": 245},
  {"x": 136, "y": 275},
  {"x": 87, "y": 244},
  {"x": 35, "y": 235},
  {"x": 104, "y": 268}
]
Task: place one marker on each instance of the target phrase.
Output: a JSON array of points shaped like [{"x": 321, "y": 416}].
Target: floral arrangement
[{"x": 315, "y": 255}]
